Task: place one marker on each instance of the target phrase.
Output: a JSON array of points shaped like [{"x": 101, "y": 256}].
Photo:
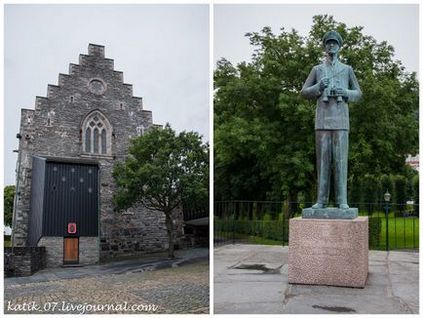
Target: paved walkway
[
  {"x": 253, "y": 279},
  {"x": 153, "y": 284}
]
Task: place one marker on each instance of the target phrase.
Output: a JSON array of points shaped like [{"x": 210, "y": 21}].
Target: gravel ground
[{"x": 183, "y": 289}]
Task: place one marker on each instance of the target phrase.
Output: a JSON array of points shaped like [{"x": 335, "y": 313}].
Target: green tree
[
  {"x": 355, "y": 191},
  {"x": 264, "y": 129},
  {"x": 8, "y": 196},
  {"x": 400, "y": 194},
  {"x": 162, "y": 172},
  {"x": 387, "y": 184},
  {"x": 370, "y": 191}
]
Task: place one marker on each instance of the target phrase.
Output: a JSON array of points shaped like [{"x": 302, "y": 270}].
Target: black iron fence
[
  {"x": 192, "y": 213},
  {"x": 391, "y": 226}
]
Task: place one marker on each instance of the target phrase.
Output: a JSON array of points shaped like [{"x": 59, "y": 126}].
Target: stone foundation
[
  {"x": 23, "y": 261},
  {"x": 88, "y": 250},
  {"x": 54, "y": 250},
  {"x": 328, "y": 252}
]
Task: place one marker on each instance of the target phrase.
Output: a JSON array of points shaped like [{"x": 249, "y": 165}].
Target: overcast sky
[
  {"x": 163, "y": 50},
  {"x": 395, "y": 23}
]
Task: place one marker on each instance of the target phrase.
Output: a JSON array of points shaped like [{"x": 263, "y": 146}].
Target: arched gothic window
[{"x": 97, "y": 136}]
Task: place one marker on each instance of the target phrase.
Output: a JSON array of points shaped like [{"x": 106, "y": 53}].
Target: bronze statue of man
[{"x": 333, "y": 84}]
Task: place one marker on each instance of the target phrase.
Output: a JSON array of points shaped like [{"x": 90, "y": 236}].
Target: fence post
[
  {"x": 414, "y": 233},
  {"x": 387, "y": 227},
  {"x": 283, "y": 230},
  {"x": 233, "y": 227}
]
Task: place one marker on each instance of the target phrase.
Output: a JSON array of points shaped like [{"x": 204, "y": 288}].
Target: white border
[
  {"x": 211, "y": 162},
  {"x": 211, "y": 4}
]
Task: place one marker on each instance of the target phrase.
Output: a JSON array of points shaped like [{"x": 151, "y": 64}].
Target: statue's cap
[{"x": 332, "y": 35}]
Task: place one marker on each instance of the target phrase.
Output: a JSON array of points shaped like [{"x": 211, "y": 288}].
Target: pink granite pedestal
[{"x": 330, "y": 252}]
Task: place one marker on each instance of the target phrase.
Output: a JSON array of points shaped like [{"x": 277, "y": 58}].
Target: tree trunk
[{"x": 169, "y": 228}]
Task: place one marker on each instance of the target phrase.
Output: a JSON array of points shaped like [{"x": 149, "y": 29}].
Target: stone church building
[{"x": 68, "y": 146}]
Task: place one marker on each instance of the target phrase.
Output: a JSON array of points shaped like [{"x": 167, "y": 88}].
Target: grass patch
[
  {"x": 403, "y": 232},
  {"x": 264, "y": 241}
]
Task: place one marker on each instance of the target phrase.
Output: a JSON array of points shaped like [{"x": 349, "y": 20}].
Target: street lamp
[{"x": 387, "y": 197}]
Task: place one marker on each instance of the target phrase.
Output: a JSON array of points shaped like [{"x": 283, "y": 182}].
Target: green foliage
[
  {"x": 400, "y": 194},
  {"x": 8, "y": 196},
  {"x": 267, "y": 217},
  {"x": 264, "y": 129},
  {"x": 370, "y": 189},
  {"x": 375, "y": 228},
  {"x": 403, "y": 232},
  {"x": 7, "y": 241},
  {"x": 163, "y": 171},
  {"x": 272, "y": 230},
  {"x": 387, "y": 183},
  {"x": 354, "y": 190}
]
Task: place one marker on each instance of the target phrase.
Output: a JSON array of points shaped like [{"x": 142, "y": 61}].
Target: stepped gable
[
  {"x": 96, "y": 72},
  {"x": 90, "y": 115}
]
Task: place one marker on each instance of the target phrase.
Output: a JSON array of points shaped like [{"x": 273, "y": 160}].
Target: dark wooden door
[{"x": 71, "y": 250}]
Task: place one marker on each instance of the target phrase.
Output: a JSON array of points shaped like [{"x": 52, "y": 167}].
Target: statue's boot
[
  {"x": 344, "y": 206},
  {"x": 318, "y": 206}
]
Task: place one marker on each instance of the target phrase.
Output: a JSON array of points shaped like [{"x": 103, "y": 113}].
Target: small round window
[{"x": 97, "y": 86}]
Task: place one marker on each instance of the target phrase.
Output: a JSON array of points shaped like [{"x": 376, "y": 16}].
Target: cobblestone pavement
[{"x": 183, "y": 289}]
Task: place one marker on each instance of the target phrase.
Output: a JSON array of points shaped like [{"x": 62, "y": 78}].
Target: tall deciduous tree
[
  {"x": 162, "y": 171},
  {"x": 264, "y": 129}
]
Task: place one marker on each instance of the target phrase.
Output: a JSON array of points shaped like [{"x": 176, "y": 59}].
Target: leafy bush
[
  {"x": 375, "y": 227},
  {"x": 400, "y": 196}
]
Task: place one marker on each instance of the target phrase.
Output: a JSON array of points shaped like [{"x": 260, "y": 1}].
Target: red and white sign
[{"x": 71, "y": 228}]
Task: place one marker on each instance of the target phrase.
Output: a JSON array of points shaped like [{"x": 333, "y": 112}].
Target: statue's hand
[
  {"x": 341, "y": 92},
  {"x": 324, "y": 82}
]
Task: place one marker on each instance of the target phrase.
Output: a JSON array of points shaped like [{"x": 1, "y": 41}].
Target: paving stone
[
  {"x": 392, "y": 286},
  {"x": 182, "y": 289}
]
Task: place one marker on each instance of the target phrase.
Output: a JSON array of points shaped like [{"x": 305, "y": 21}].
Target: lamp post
[{"x": 387, "y": 197}]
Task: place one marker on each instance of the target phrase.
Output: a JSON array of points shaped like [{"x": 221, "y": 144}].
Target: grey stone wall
[
  {"x": 23, "y": 261},
  {"x": 137, "y": 231},
  {"x": 54, "y": 250},
  {"x": 23, "y": 179},
  {"x": 89, "y": 250},
  {"x": 54, "y": 129}
]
